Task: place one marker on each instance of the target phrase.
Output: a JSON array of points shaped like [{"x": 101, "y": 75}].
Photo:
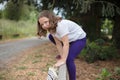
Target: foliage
[
  {"x": 81, "y": 6},
  {"x": 29, "y": 13},
  {"x": 91, "y": 52},
  {"x": 9, "y": 28},
  {"x": 2, "y": 76},
  {"x": 104, "y": 74},
  {"x": 107, "y": 75},
  {"x": 117, "y": 70},
  {"x": 19, "y": 9},
  {"x": 13, "y": 11},
  {"x": 107, "y": 29},
  {"x": 99, "y": 50}
]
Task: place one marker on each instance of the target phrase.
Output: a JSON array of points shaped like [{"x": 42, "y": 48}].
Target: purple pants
[{"x": 74, "y": 50}]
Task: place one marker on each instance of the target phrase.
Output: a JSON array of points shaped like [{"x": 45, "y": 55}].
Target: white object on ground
[
  {"x": 52, "y": 74},
  {"x": 58, "y": 74},
  {"x": 62, "y": 72}
]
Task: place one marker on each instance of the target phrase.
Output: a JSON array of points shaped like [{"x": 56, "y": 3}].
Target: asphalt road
[{"x": 9, "y": 50}]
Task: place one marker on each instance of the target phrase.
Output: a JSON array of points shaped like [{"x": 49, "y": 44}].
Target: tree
[
  {"x": 89, "y": 13},
  {"x": 86, "y": 12},
  {"x": 13, "y": 9}
]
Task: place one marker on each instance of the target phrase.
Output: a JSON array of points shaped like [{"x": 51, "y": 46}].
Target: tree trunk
[{"x": 116, "y": 31}]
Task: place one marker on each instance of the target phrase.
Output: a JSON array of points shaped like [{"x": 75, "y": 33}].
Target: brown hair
[{"x": 53, "y": 22}]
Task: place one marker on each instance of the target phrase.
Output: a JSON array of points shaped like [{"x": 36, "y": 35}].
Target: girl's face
[{"x": 44, "y": 22}]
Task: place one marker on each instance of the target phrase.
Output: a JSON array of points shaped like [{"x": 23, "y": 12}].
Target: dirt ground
[{"x": 33, "y": 65}]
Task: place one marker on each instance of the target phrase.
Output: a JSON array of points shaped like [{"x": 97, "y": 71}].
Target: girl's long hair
[{"x": 53, "y": 20}]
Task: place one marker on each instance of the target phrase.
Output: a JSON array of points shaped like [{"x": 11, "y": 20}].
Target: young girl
[{"x": 68, "y": 37}]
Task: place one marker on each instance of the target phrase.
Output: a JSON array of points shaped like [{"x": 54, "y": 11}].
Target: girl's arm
[
  {"x": 65, "y": 47},
  {"x": 58, "y": 45},
  {"x": 65, "y": 51}
]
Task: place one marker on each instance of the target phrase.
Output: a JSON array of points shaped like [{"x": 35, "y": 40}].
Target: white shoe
[{"x": 52, "y": 74}]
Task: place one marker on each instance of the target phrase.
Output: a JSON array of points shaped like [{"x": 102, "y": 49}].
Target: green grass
[
  {"x": 31, "y": 73},
  {"x": 21, "y": 68},
  {"x": 2, "y": 76},
  {"x": 9, "y": 28}
]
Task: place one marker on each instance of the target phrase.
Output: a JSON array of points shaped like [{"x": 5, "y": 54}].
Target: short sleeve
[{"x": 62, "y": 29}]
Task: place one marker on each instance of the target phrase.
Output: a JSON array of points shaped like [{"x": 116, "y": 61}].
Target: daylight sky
[{"x": 2, "y": 5}]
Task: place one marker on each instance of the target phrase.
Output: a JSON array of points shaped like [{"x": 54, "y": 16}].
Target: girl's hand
[
  {"x": 59, "y": 63},
  {"x": 58, "y": 57}
]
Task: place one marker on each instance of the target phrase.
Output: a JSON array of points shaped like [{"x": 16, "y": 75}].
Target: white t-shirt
[{"x": 70, "y": 28}]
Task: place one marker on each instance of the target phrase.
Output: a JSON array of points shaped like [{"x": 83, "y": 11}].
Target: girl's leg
[
  {"x": 51, "y": 38},
  {"x": 75, "y": 49}
]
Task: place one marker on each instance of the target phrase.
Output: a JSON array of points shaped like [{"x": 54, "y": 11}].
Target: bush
[
  {"x": 13, "y": 11},
  {"x": 107, "y": 75},
  {"x": 99, "y": 50},
  {"x": 107, "y": 52},
  {"x": 91, "y": 52},
  {"x": 104, "y": 75},
  {"x": 11, "y": 29}
]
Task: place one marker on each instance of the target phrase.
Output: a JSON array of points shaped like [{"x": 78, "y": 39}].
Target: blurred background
[{"x": 99, "y": 18}]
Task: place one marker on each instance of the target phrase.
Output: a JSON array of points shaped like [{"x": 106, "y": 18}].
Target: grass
[
  {"x": 21, "y": 68},
  {"x": 2, "y": 76},
  {"x": 9, "y": 29},
  {"x": 31, "y": 74}
]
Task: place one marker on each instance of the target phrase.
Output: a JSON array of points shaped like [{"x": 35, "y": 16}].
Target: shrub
[
  {"x": 91, "y": 52},
  {"x": 104, "y": 74},
  {"x": 12, "y": 11},
  {"x": 107, "y": 75},
  {"x": 98, "y": 50}
]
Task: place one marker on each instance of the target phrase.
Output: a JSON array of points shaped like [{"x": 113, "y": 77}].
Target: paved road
[{"x": 10, "y": 49}]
